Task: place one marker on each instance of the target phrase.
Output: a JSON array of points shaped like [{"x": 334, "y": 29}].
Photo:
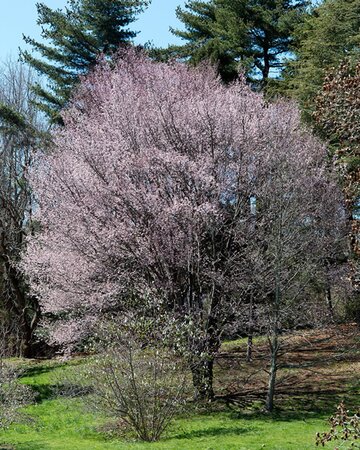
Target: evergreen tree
[
  {"x": 329, "y": 33},
  {"x": 76, "y": 36},
  {"x": 252, "y": 35},
  {"x": 206, "y": 40}
]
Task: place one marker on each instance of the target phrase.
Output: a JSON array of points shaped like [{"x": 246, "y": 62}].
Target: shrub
[
  {"x": 143, "y": 387},
  {"x": 344, "y": 427},
  {"x": 13, "y": 395}
]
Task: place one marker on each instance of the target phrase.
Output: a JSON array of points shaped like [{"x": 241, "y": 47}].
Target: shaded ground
[{"x": 317, "y": 369}]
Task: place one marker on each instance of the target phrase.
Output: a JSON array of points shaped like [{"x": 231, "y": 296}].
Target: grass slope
[{"x": 317, "y": 371}]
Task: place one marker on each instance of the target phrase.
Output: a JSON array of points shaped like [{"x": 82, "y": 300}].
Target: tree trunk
[
  {"x": 329, "y": 302},
  {"x": 266, "y": 67},
  {"x": 274, "y": 347},
  {"x": 249, "y": 348},
  {"x": 274, "y": 332},
  {"x": 23, "y": 309},
  {"x": 250, "y": 330},
  {"x": 28, "y": 347},
  {"x": 202, "y": 375}
]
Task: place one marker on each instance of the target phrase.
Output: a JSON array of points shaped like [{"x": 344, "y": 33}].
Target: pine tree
[
  {"x": 269, "y": 25},
  {"x": 251, "y": 35},
  {"x": 76, "y": 36},
  {"x": 205, "y": 39}
]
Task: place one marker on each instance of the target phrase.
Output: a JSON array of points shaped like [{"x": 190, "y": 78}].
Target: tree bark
[
  {"x": 23, "y": 309},
  {"x": 266, "y": 67},
  {"x": 250, "y": 330},
  {"x": 202, "y": 375},
  {"x": 329, "y": 302},
  {"x": 274, "y": 325},
  {"x": 274, "y": 347},
  {"x": 249, "y": 348}
]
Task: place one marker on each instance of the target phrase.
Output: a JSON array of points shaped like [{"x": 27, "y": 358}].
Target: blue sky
[{"x": 18, "y": 17}]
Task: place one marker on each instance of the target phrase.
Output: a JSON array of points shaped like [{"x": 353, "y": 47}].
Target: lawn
[{"x": 318, "y": 370}]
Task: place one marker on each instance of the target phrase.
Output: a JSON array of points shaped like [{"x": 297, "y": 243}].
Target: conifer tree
[
  {"x": 75, "y": 37},
  {"x": 206, "y": 40},
  {"x": 330, "y": 33},
  {"x": 254, "y": 36}
]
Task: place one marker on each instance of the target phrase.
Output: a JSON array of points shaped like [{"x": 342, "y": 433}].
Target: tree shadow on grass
[
  {"x": 322, "y": 405},
  {"x": 294, "y": 403},
  {"x": 302, "y": 407},
  {"x": 49, "y": 391},
  {"x": 214, "y": 432},
  {"x": 43, "y": 392},
  {"x": 32, "y": 445},
  {"x": 40, "y": 369},
  {"x": 52, "y": 391}
]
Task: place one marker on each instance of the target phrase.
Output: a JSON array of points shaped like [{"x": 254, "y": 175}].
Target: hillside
[{"x": 319, "y": 368}]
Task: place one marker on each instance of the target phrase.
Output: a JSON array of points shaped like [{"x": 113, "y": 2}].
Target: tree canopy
[
  {"x": 237, "y": 34},
  {"x": 328, "y": 35},
  {"x": 337, "y": 118}
]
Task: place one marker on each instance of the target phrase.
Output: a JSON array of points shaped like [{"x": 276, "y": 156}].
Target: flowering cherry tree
[{"x": 148, "y": 198}]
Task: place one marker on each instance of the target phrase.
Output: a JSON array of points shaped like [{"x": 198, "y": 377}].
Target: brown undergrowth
[{"x": 317, "y": 370}]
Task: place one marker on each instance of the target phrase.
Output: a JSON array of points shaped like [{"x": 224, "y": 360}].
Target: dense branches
[
  {"x": 337, "y": 119},
  {"x": 20, "y": 135},
  {"x": 147, "y": 200}
]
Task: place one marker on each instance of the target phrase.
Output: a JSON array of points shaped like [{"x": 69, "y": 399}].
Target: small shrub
[
  {"x": 142, "y": 387},
  {"x": 345, "y": 428},
  {"x": 13, "y": 395}
]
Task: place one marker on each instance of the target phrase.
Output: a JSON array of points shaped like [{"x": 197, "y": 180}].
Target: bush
[
  {"x": 344, "y": 427},
  {"x": 143, "y": 387},
  {"x": 13, "y": 395}
]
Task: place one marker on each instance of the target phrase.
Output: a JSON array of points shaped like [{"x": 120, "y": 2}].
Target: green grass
[
  {"x": 64, "y": 423},
  {"x": 241, "y": 342}
]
